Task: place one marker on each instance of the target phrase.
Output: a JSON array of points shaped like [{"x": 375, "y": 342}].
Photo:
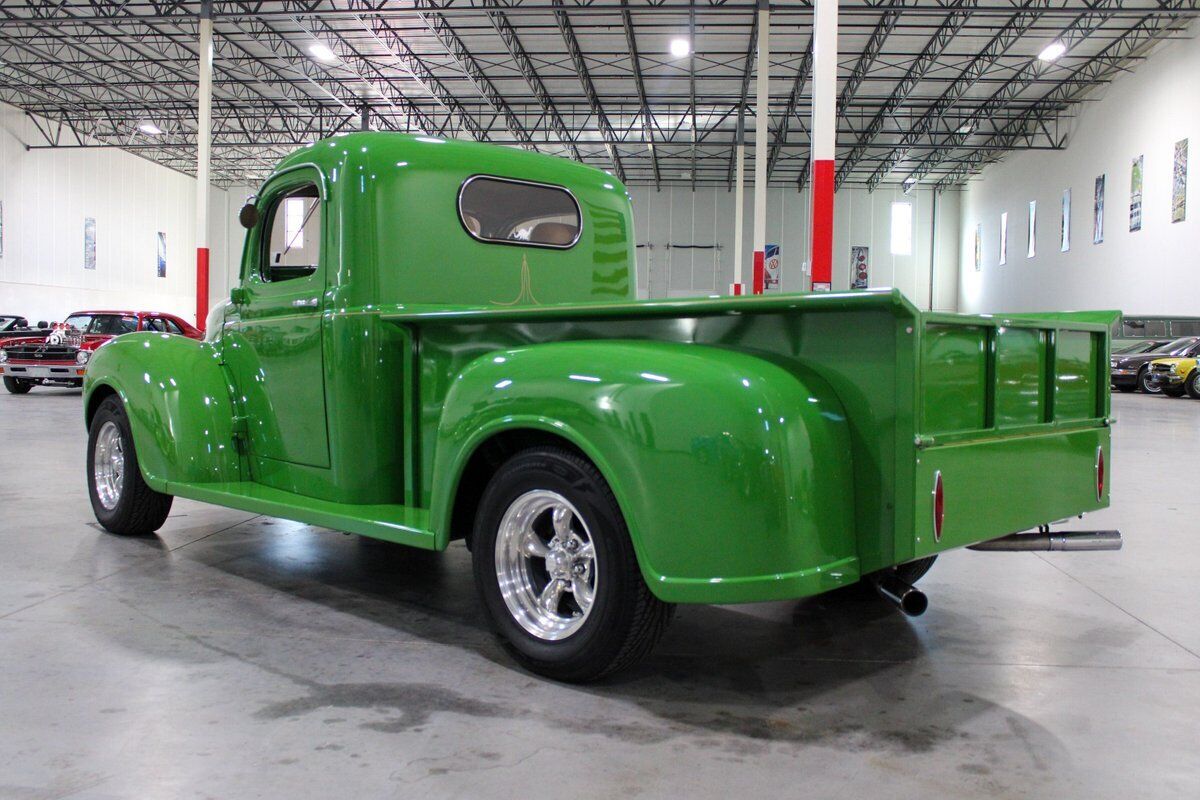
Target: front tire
[
  {"x": 121, "y": 500},
  {"x": 556, "y": 570},
  {"x": 17, "y": 385},
  {"x": 1192, "y": 384},
  {"x": 1145, "y": 384},
  {"x": 1173, "y": 391}
]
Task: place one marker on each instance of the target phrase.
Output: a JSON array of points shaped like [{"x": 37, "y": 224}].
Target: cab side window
[
  {"x": 155, "y": 324},
  {"x": 508, "y": 211},
  {"x": 172, "y": 327},
  {"x": 293, "y": 233}
]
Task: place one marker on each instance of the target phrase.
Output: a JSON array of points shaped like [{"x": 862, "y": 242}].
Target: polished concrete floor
[{"x": 235, "y": 656}]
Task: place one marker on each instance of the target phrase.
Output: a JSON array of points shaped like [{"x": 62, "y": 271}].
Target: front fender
[
  {"x": 732, "y": 471},
  {"x": 179, "y": 405}
]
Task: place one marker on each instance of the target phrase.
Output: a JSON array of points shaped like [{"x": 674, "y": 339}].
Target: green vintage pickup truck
[{"x": 436, "y": 340}]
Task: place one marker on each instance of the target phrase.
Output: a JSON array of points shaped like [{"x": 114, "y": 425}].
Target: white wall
[
  {"x": 46, "y": 196},
  {"x": 1151, "y": 271},
  {"x": 48, "y": 193},
  {"x": 679, "y": 216}
]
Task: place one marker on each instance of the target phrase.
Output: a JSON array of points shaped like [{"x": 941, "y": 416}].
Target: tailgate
[{"x": 1013, "y": 413}]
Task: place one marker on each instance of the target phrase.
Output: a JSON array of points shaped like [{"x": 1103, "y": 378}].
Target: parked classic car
[
  {"x": 436, "y": 340},
  {"x": 59, "y": 357},
  {"x": 1129, "y": 372},
  {"x": 12, "y": 325},
  {"x": 1176, "y": 377}
]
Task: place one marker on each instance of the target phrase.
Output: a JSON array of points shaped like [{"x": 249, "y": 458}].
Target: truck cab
[{"x": 434, "y": 340}]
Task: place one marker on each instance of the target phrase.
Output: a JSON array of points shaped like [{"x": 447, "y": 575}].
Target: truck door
[{"x": 274, "y": 349}]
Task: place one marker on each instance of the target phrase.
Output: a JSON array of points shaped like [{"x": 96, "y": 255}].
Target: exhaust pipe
[
  {"x": 1045, "y": 541},
  {"x": 910, "y": 600}
]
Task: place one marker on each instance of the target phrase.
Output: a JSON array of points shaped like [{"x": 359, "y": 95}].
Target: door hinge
[{"x": 241, "y": 430}]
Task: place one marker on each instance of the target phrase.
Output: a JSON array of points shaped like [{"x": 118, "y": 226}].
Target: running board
[
  {"x": 393, "y": 523},
  {"x": 1062, "y": 540}
]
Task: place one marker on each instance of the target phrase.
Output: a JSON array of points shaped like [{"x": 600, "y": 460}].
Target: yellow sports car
[{"x": 1175, "y": 376}]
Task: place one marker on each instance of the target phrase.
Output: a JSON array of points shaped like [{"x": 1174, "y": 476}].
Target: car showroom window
[
  {"x": 294, "y": 248},
  {"x": 518, "y": 212}
]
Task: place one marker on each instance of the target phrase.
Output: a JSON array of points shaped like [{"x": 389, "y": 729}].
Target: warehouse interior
[{"x": 1010, "y": 160}]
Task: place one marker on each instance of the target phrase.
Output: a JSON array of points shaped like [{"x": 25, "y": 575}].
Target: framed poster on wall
[
  {"x": 1004, "y": 238},
  {"x": 89, "y": 243},
  {"x": 978, "y": 246},
  {"x": 1031, "y": 231},
  {"x": 162, "y": 254},
  {"x": 1, "y": 229},
  {"x": 1135, "y": 194},
  {"x": 860, "y": 266},
  {"x": 1098, "y": 212},
  {"x": 1179, "y": 182},
  {"x": 771, "y": 269},
  {"x": 1064, "y": 240}
]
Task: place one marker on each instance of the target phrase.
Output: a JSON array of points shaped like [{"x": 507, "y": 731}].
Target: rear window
[{"x": 508, "y": 211}]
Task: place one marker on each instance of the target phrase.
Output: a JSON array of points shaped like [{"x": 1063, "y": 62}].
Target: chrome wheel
[
  {"x": 546, "y": 565},
  {"x": 108, "y": 465}
]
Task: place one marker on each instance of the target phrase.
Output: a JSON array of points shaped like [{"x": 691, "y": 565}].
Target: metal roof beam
[
  {"x": 953, "y": 22},
  {"x": 606, "y": 130}
]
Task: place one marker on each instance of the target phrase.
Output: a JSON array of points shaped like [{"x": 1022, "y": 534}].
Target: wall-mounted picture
[
  {"x": 1004, "y": 238},
  {"x": 162, "y": 254},
  {"x": 1098, "y": 212},
  {"x": 978, "y": 246},
  {"x": 1064, "y": 241},
  {"x": 1135, "y": 195},
  {"x": 860, "y": 266},
  {"x": 89, "y": 243},
  {"x": 1179, "y": 182},
  {"x": 771, "y": 269},
  {"x": 1, "y": 230},
  {"x": 1031, "y": 231}
]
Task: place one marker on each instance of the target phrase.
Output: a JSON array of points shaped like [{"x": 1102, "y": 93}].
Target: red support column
[
  {"x": 822, "y": 230},
  {"x": 824, "y": 140},
  {"x": 201, "y": 286}
]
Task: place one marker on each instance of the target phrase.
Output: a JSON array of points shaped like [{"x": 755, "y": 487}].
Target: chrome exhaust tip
[
  {"x": 909, "y": 599},
  {"x": 1046, "y": 541}
]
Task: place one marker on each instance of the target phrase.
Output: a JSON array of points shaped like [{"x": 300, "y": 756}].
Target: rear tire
[
  {"x": 17, "y": 385},
  {"x": 1125, "y": 389},
  {"x": 121, "y": 500},
  {"x": 1192, "y": 384},
  {"x": 556, "y": 570},
  {"x": 1173, "y": 391},
  {"x": 1144, "y": 382}
]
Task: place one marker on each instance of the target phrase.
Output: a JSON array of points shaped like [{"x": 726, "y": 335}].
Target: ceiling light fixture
[
  {"x": 1052, "y": 51},
  {"x": 150, "y": 128},
  {"x": 680, "y": 47},
  {"x": 965, "y": 128},
  {"x": 322, "y": 52}
]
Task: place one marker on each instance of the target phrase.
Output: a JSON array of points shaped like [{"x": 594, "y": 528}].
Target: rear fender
[
  {"x": 733, "y": 473},
  {"x": 178, "y": 401}
]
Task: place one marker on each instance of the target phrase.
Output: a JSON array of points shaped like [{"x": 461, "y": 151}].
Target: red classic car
[{"x": 60, "y": 358}]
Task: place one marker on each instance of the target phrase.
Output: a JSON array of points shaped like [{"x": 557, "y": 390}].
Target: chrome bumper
[{"x": 54, "y": 372}]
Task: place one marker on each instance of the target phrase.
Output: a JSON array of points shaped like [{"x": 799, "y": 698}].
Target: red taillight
[
  {"x": 939, "y": 506},
  {"x": 1099, "y": 473}
]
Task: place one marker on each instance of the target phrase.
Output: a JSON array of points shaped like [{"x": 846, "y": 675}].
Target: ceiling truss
[{"x": 930, "y": 91}]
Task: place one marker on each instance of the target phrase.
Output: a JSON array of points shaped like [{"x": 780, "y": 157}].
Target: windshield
[
  {"x": 108, "y": 324},
  {"x": 1176, "y": 347}
]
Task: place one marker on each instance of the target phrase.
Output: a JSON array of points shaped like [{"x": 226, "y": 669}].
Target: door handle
[{"x": 310, "y": 302}]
